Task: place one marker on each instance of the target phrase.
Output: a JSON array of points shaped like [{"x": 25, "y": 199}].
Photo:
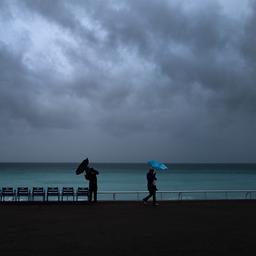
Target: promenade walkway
[{"x": 173, "y": 228}]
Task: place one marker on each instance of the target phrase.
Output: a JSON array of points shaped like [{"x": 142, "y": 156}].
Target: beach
[{"x": 128, "y": 228}]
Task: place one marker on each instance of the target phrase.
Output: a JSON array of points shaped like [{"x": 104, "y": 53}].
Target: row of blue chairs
[{"x": 40, "y": 192}]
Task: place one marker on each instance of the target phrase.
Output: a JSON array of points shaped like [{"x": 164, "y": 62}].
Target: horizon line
[{"x": 121, "y": 162}]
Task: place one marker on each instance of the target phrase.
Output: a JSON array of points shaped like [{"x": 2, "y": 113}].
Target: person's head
[{"x": 151, "y": 170}]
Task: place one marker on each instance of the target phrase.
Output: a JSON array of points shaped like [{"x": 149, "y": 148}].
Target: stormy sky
[{"x": 128, "y": 81}]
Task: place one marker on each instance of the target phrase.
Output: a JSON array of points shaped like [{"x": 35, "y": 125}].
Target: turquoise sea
[{"x": 132, "y": 176}]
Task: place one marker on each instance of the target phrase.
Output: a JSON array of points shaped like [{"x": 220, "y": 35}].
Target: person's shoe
[{"x": 144, "y": 202}]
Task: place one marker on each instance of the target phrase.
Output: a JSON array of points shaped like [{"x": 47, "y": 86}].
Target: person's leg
[
  {"x": 147, "y": 197},
  {"x": 95, "y": 194},
  {"x": 154, "y": 196},
  {"x": 90, "y": 195}
]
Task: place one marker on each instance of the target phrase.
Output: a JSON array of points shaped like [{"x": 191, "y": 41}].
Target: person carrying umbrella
[
  {"x": 151, "y": 179},
  {"x": 91, "y": 175}
]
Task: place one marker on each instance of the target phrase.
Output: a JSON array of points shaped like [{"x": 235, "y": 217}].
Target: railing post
[
  {"x": 114, "y": 196},
  {"x": 248, "y": 195}
]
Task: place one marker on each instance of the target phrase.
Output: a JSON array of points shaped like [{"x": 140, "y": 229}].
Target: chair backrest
[
  {"x": 82, "y": 191},
  {"x": 52, "y": 190},
  {"x": 38, "y": 190},
  {"x": 22, "y": 190},
  {"x": 67, "y": 190},
  {"x": 7, "y": 191}
]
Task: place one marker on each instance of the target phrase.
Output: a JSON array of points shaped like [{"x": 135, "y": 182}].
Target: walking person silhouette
[{"x": 151, "y": 179}]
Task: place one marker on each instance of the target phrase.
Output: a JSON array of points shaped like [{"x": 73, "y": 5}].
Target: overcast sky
[{"x": 128, "y": 80}]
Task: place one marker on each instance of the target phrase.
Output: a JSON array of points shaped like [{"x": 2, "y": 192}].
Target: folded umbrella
[{"x": 157, "y": 165}]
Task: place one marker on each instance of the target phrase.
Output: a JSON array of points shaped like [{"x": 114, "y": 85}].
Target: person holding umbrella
[
  {"x": 151, "y": 180},
  {"x": 91, "y": 175}
]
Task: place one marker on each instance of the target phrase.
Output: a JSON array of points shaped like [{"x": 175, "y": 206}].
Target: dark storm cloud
[
  {"x": 248, "y": 37},
  {"x": 182, "y": 71},
  {"x": 22, "y": 96},
  {"x": 200, "y": 47}
]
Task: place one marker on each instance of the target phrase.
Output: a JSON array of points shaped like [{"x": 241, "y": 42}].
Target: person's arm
[
  {"x": 151, "y": 178},
  {"x": 95, "y": 171}
]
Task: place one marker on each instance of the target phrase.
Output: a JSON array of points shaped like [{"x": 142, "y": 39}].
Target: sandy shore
[{"x": 129, "y": 228}]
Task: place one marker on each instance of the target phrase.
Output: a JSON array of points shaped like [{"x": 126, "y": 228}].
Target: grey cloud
[
  {"x": 248, "y": 38},
  {"x": 209, "y": 37},
  {"x": 55, "y": 11},
  {"x": 21, "y": 95}
]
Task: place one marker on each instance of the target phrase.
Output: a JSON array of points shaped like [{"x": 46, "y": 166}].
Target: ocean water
[{"x": 132, "y": 176}]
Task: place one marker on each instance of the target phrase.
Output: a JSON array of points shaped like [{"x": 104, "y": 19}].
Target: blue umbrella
[{"x": 157, "y": 165}]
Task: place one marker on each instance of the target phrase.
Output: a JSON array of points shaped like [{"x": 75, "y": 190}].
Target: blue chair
[
  {"x": 23, "y": 192},
  {"x": 38, "y": 192},
  {"x": 8, "y": 192},
  {"x": 53, "y": 192},
  {"x": 67, "y": 191},
  {"x": 82, "y": 191}
]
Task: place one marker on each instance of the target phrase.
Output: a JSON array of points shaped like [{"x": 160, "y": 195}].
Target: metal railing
[
  {"x": 170, "y": 195},
  {"x": 181, "y": 195}
]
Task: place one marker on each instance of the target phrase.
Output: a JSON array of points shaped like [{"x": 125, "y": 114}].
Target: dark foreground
[{"x": 129, "y": 228}]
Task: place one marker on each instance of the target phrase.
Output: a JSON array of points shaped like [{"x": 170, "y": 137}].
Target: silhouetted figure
[
  {"x": 151, "y": 178},
  {"x": 91, "y": 175}
]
